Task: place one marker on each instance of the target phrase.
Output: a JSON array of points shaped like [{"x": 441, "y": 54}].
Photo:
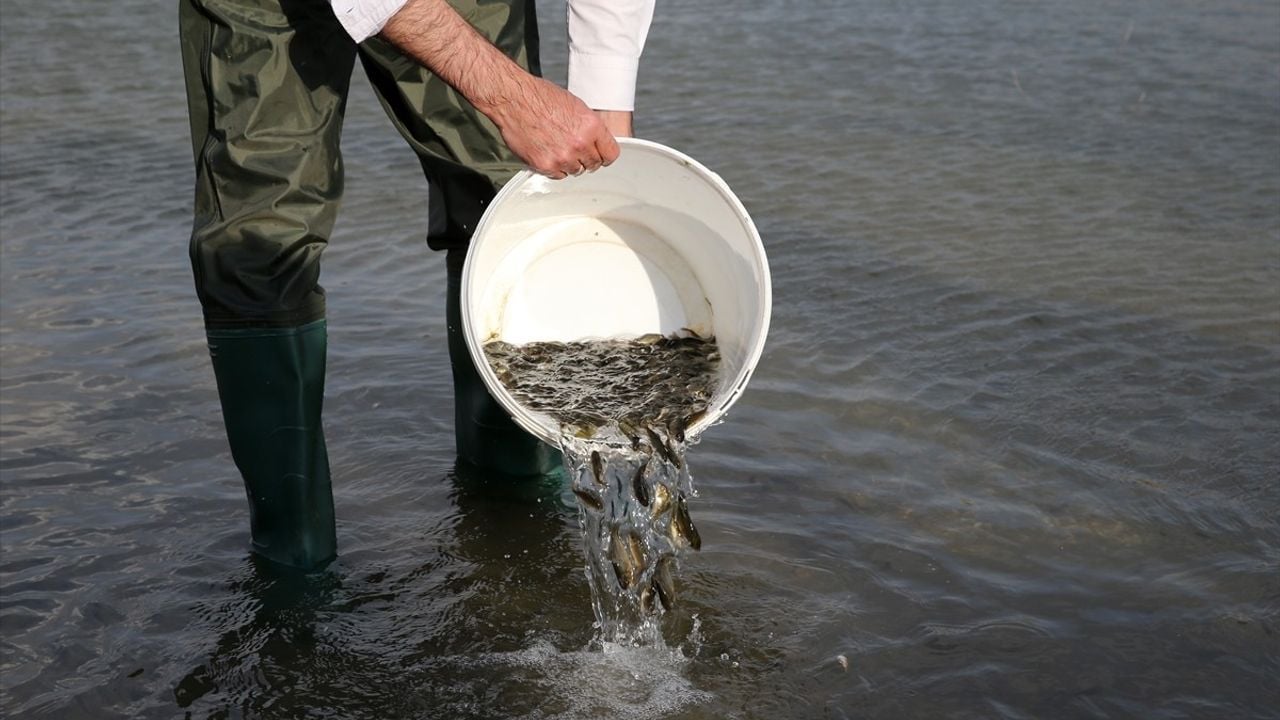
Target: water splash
[
  {"x": 614, "y": 681},
  {"x": 635, "y": 526}
]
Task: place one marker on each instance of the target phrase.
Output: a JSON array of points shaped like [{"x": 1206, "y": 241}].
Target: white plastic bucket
[{"x": 651, "y": 244}]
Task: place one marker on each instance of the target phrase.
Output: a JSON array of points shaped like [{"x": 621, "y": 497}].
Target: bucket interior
[{"x": 651, "y": 244}]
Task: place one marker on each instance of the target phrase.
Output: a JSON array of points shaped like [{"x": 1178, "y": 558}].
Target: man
[{"x": 267, "y": 85}]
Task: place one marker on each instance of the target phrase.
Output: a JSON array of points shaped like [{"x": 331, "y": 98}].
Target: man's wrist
[
  {"x": 504, "y": 90},
  {"x": 617, "y": 122}
]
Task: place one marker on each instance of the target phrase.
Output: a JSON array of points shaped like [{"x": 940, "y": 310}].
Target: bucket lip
[{"x": 521, "y": 415}]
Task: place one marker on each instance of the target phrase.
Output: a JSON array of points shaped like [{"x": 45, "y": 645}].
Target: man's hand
[{"x": 552, "y": 131}]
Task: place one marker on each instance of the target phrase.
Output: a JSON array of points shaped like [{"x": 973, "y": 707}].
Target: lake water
[{"x": 1012, "y": 449}]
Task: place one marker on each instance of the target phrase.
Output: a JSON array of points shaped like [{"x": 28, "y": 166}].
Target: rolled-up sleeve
[
  {"x": 363, "y": 19},
  {"x": 606, "y": 38}
]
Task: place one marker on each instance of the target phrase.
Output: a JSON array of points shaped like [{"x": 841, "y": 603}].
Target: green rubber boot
[{"x": 271, "y": 384}]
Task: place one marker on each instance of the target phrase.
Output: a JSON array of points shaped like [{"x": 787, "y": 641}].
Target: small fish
[
  {"x": 638, "y": 486},
  {"x": 662, "y": 448},
  {"x": 647, "y": 595},
  {"x": 661, "y": 500},
  {"x": 654, "y": 592},
  {"x": 676, "y": 426},
  {"x": 589, "y": 498},
  {"x": 649, "y": 339},
  {"x": 636, "y": 552},
  {"x": 663, "y": 583},
  {"x": 632, "y": 433},
  {"x": 625, "y": 564},
  {"x": 682, "y": 530},
  {"x": 597, "y": 467}
]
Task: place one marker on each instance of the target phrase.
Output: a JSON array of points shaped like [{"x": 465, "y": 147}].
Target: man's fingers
[
  {"x": 590, "y": 157},
  {"x": 574, "y": 139},
  {"x": 558, "y": 135},
  {"x": 586, "y": 159},
  {"x": 607, "y": 147}
]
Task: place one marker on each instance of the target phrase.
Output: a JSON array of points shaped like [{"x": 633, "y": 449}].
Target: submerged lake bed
[{"x": 1011, "y": 450}]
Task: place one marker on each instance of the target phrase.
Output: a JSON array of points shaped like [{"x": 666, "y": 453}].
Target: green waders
[{"x": 267, "y": 84}]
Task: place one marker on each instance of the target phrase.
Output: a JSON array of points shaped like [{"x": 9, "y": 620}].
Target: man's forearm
[
  {"x": 434, "y": 34},
  {"x": 544, "y": 125}
]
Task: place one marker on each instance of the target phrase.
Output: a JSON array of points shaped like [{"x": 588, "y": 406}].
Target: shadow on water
[
  {"x": 272, "y": 619},
  {"x": 495, "y": 622},
  {"x": 405, "y": 641}
]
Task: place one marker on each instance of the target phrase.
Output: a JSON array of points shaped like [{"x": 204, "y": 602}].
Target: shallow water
[{"x": 1011, "y": 450}]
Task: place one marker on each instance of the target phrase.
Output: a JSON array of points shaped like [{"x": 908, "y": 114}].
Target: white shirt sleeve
[
  {"x": 605, "y": 41},
  {"x": 363, "y": 19}
]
